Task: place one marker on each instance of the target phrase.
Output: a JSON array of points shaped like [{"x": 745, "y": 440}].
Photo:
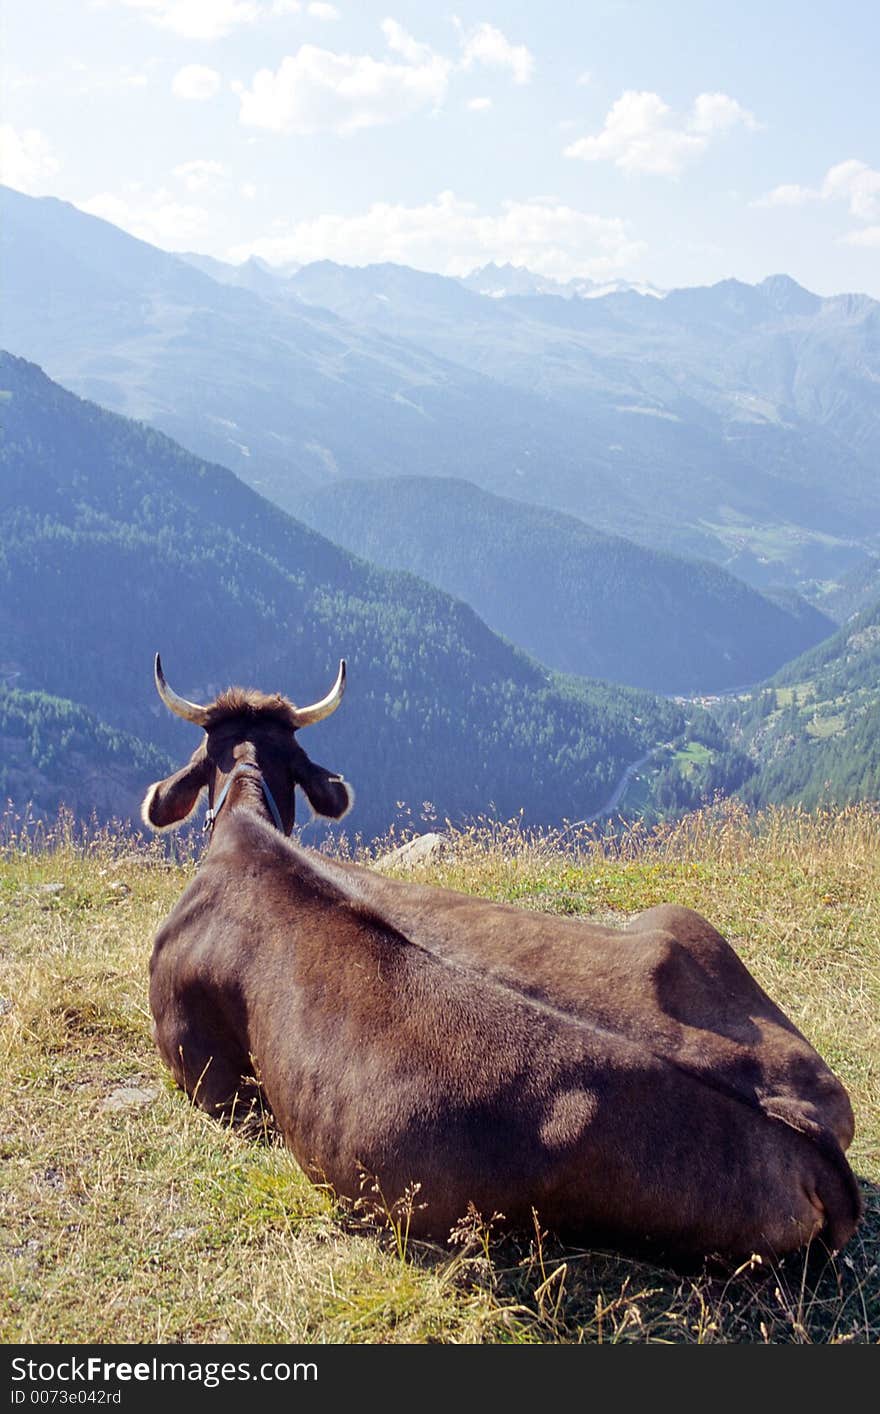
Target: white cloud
[
  {"x": 322, "y": 11},
  {"x": 200, "y": 174},
  {"x": 198, "y": 19},
  {"x": 789, "y": 195},
  {"x": 154, "y": 216},
  {"x": 479, "y": 105},
  {"x": 868, "y": 236},
  {"x": 27, "y": 161},
  {"x": 248, "y": 190},
  {"x": 454, "y": 236},
  {"x": 400, "y": 41},
  {"x": 584, "y": 78},
  {"x": 852, "y": 182},
  {"x": 857, "y": 184},
  {"x": 195, "y": 82},
  {"x": 718, "y": 113},
  {"x": 322, "y": 90},
  {"x": 488, "y": 46},
  {"x": 638, "y": 137},
  {"x": 317, "y": 90},
  {"x": 641, "y": 133}
]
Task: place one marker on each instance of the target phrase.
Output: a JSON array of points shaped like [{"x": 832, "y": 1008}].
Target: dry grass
[{"x": 127, "y": 1216}]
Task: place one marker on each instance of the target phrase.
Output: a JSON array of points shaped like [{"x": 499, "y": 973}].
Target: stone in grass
[
  {"x": 423, "y": 847},
  {"x": 130, "y": 1097},
  {"x": 47, "y": 892}
]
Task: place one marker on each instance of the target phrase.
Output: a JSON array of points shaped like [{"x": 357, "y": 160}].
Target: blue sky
[{"x": 677, "y": 143}]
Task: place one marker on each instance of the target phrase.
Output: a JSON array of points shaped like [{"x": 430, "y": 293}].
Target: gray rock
[
  {"x": 416, "y": 851},
  {"x": 130, "y": 1097},
  {"x": 49, "y": 891}
]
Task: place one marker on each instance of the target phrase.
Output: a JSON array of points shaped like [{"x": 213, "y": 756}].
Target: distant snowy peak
[
  {"x": 613, "y": 287},
  {"x": 499, "y": 281}
]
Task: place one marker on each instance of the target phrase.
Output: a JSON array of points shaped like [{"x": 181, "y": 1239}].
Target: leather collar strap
[{"x": 214, "y": 811}]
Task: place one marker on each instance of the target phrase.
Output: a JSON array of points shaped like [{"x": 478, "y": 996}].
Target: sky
[{"x": 677, "y": 142}]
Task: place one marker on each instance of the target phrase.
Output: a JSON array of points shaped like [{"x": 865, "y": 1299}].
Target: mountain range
[
  {"x": 468, "y": 487},
  {"x": 747, "y": 413},
  {"x": 738, "y": 423},
  {"x": 283, "y": 394}
]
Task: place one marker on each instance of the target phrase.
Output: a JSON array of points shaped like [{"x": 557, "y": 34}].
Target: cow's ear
[
  {"x": 328, "y": 793},
  {"x": 170, "y": 802}
]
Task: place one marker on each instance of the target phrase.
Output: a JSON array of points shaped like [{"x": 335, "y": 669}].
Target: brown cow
[{"x": 632, "y": 1085}]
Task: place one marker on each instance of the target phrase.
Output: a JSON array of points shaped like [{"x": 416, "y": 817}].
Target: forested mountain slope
[
  {"x": 809, "y": 736},
  {"x": 580, "y": 600},
  {"x": 116, "y": 543},
  {"x": 53, "y": 751}
]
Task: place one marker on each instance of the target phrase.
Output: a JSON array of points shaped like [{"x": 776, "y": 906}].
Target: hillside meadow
[{"x": 128, "y": 1216}]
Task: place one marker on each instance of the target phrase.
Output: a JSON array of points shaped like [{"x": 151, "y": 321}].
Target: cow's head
[{"x": 250, "y": 739}]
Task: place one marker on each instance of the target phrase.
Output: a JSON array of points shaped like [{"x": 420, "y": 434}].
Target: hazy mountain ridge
[
  {"x": 286, "y": 394},
  {"x": 730, "y": 389},
  {"x": 735, "y": 422}
]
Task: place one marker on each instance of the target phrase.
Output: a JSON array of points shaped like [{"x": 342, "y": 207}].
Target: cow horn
[
  {"x": 308, "y": 716},
  {"x": 189, "y": 711}
]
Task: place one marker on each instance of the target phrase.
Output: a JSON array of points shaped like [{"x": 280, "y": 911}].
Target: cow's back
[{"x": 668, "y": 980}]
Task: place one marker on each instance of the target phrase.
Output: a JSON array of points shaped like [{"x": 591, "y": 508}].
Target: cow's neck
[{"x": 246, "y": 785}]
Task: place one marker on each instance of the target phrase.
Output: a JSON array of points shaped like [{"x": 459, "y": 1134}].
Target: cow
[{"x": 632, "y": 1085}]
